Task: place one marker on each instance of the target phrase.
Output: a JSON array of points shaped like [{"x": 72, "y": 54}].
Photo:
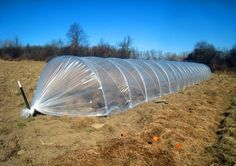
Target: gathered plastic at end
[{"x": 26, "y": 113}]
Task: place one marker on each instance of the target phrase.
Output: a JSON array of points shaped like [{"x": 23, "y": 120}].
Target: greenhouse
[{"x": 92, "y": 86}]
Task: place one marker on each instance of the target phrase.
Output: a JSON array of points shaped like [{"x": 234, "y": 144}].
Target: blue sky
[{"x": 168, "y": 25}]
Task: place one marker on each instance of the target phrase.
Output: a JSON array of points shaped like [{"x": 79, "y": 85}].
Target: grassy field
[{"x": 195, "y": 126}]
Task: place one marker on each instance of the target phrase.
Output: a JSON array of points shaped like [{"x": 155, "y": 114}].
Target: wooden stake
[{"x": 23, "y": 94}]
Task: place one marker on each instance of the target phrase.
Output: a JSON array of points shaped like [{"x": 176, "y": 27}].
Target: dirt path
[
  {"x": 177, "y": 133},
  {"x": 224, "y": 149}
]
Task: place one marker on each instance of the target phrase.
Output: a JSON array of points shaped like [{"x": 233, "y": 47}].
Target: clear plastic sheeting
[{"x": 92, "y": 86}]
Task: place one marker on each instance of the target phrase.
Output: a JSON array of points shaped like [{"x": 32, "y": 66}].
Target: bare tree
[
  {"x": 170, "y": 56},
  {"x": 77, "y": 37},
  {"x": 125, "y": 47},
  {"x": 57, "y": 43},
  {"x": 11, "y": 48}
]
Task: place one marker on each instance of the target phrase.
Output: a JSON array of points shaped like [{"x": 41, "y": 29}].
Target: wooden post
[{"x": 23, "y": 94}]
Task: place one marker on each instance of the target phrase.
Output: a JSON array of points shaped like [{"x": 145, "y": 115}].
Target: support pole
[{"x": 23, "y": 94}]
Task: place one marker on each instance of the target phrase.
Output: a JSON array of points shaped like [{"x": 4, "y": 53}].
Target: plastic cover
[{"x": 92, "y": 86}]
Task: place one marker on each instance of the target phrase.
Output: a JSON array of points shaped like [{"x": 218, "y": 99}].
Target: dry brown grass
[
  {"x": 190, "y": 119},
  {"x": 118, "y": 152}
]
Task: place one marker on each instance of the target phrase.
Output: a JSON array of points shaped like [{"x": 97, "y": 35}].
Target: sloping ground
[{"x": 180, "y": 131}]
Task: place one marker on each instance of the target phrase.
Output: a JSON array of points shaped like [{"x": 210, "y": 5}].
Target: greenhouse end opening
[{"x": 92, "y": 86}]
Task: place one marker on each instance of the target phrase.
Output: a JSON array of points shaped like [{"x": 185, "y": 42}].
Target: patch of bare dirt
[{"x": 176, "y": 132}]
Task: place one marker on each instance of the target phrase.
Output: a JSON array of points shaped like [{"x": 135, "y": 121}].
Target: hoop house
[{"x": 92, "y": 86}]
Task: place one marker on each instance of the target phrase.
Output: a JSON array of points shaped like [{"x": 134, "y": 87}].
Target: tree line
[
  {"x": 78, "y": 45},
  {"x": 12, "y": 49},
  {"x": 216, "y": 59}
]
